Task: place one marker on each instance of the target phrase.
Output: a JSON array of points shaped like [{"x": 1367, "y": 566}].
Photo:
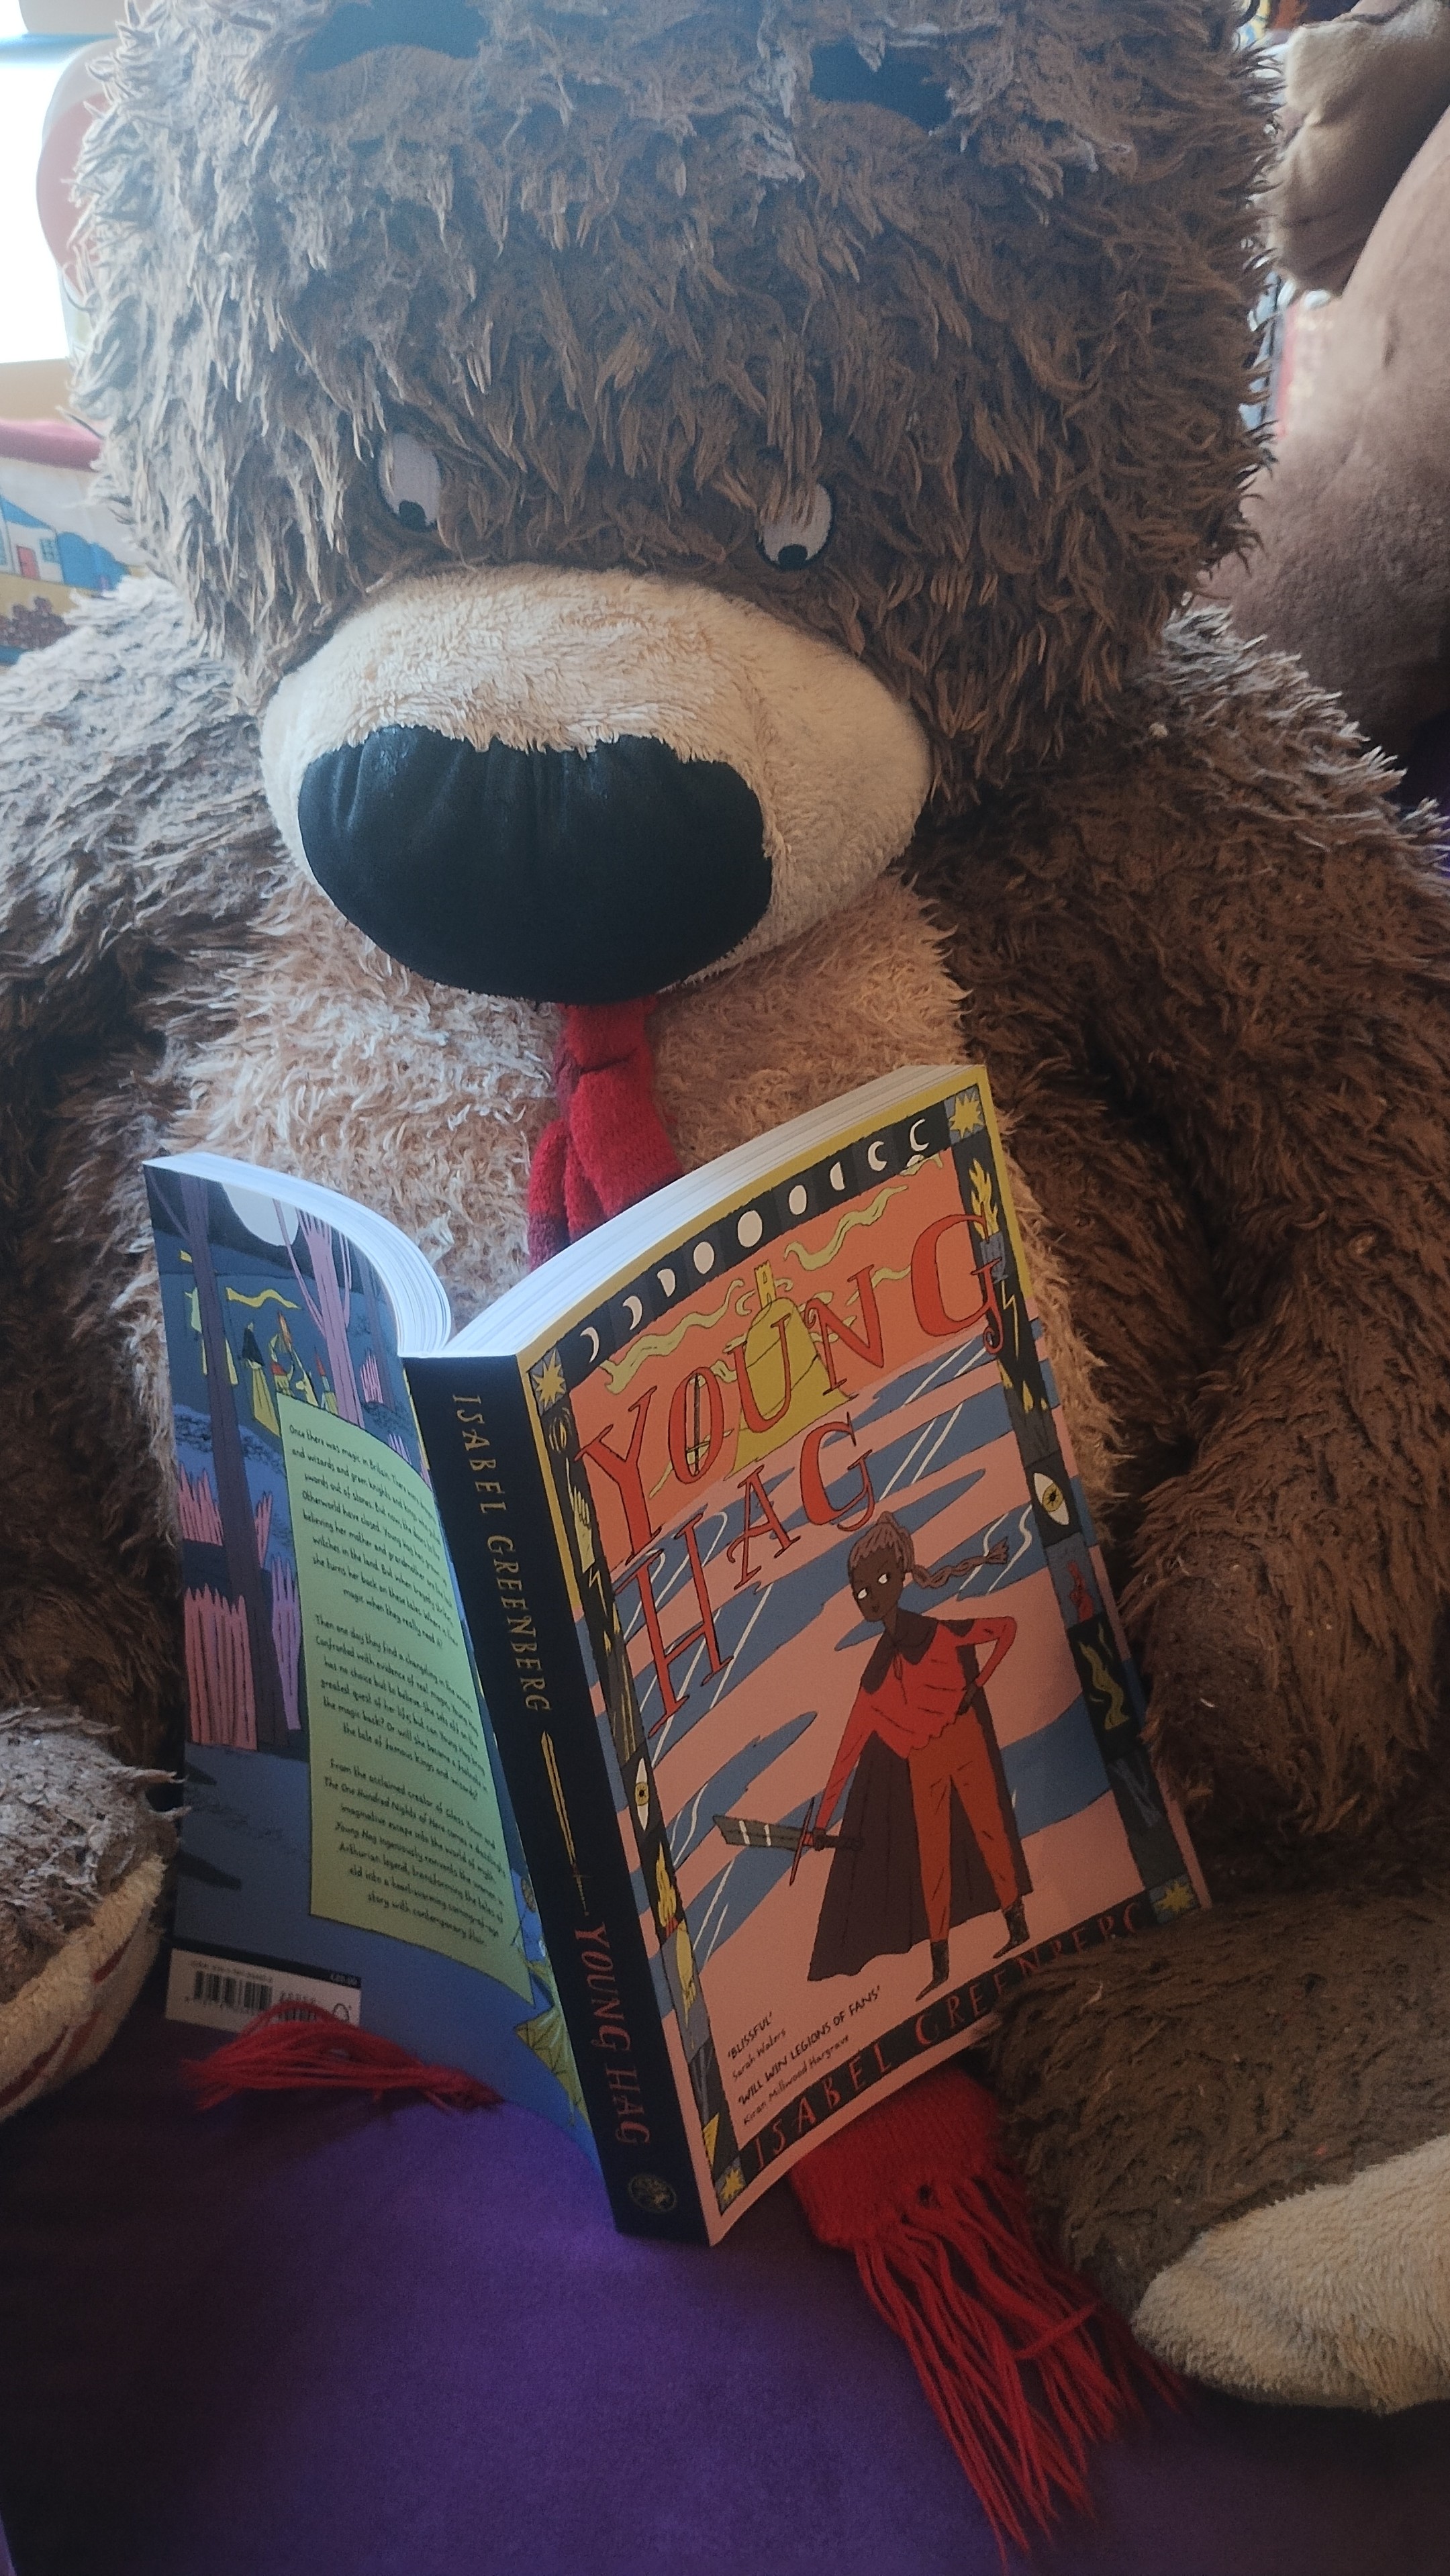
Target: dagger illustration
[{"x": 754, "y": 1833}]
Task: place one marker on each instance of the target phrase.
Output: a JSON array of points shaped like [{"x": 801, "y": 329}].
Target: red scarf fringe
[
  {"x": 1024, "y": 2366},
  {"x": 295, "y": 2047}
]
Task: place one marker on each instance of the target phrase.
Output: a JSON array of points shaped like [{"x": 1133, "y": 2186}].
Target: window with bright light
[{"x": 32, "y": 323}]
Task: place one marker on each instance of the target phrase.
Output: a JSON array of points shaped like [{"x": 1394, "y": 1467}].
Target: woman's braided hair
[{"x": 889, "y": 1542}]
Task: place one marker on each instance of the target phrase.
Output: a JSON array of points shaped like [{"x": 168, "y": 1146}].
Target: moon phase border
[{"x": 753, "y": 1223}]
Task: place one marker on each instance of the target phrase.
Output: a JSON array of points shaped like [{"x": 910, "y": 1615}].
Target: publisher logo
[{"x": 651, "y": 2192}]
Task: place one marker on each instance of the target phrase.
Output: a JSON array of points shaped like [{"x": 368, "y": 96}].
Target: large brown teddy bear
[{"x": 701, "y": 504}]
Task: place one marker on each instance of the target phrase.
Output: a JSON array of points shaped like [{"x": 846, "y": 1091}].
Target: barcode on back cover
[
  {"x": 239, "y": 1994},
  {"x": 225, "y": 1994}
]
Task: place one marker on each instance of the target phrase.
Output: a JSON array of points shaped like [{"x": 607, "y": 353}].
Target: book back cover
[{"x": 346, "y": 1836}]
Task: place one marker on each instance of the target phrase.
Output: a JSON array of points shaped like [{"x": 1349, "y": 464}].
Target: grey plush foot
[
  {"x": 1240, "y": 2130},
  {"x": 82, "y": 1863}
]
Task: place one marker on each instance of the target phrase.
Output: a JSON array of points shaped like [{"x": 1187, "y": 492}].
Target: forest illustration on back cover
[{"x": 276, "y": 1321}]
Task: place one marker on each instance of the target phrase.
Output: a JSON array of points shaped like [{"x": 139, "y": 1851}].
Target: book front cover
[{"x": 875, "y": 1738}]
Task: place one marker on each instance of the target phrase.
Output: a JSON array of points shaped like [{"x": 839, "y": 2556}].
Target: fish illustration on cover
[{"x": 875, "y": 1736}]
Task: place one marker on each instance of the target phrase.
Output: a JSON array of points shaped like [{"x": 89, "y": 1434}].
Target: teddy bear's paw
[
  {"x": 1275, "y": 1688},
  {"x": 1337, "y": 2297},
  {"x": 82, "y": 1864},
  {"x": 1240, "y": 2130}
]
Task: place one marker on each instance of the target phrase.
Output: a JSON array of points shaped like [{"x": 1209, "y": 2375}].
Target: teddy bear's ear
[{"x": 366, "y": 26}]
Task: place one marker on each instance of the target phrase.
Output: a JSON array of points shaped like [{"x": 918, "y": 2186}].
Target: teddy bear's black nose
[{"x": 557, "y": 876}]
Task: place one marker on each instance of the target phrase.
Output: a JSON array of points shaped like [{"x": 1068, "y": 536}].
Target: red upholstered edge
[{"x": 49, "y": 442}]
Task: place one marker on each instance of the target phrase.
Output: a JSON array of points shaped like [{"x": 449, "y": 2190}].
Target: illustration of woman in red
[{"x": 928, "y": 1837}]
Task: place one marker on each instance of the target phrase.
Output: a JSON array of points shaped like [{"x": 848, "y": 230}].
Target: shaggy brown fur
[
  {"x": 1262, "y": 1008},
  {"x": 136, "y": 849},
  {"x": 633, "y": 283}
]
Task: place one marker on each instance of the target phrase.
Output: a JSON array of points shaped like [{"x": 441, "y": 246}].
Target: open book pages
[{"x": 810, "y": 1728}]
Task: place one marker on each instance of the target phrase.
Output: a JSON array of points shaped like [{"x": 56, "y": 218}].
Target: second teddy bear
[{"x": 1349, "y": 559}]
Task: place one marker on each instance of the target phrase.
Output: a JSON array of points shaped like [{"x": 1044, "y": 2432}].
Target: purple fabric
[{"x": 307, "y": 2337}]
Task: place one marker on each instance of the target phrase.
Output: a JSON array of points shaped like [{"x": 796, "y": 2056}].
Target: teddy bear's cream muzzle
[{"x": 573, "y": 786}]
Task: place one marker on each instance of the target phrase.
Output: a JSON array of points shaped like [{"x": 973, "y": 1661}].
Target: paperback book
[{"x": 689, "y": 1696}]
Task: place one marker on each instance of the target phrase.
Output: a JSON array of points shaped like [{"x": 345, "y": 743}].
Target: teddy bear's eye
[
  {"x": 409, "y": 481},
  {"x": 799, "y": 535},
  {"x": 437, "y": 26},
  {"x": 901, "y": 81}
]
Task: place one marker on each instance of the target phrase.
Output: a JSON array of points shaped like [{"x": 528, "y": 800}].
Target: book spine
[{"x": 488, "y": 1483}]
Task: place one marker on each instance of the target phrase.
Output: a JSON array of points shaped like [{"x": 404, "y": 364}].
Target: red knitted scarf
[{"x": 608, "y": 1147}]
